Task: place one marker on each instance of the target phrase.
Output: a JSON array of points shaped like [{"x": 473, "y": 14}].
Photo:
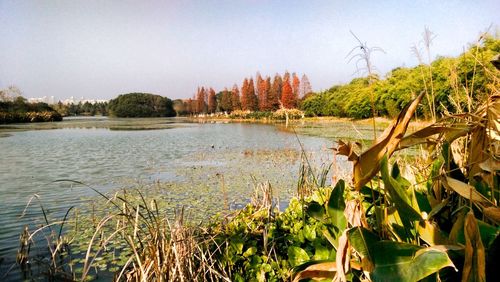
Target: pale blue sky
[{"x": 99, "y": 49}]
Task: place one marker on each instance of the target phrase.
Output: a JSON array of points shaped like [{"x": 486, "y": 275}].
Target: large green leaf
[
  {"x": 297, "y": 255},
  {"x": 406, "y": 209},
  {"x": 336, "y": 206},
  {"x": 315, "y": 210},
  {"x": 361, "y": 240},
  {"x": 396, "y": 261}
]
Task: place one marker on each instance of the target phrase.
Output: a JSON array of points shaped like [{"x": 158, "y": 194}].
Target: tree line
[
  {"x": 82, "y": 109},
  {"x": 451, "y": 84},
  {"x": 16, "y": 109},
  {"x": 262, "y": 94}
]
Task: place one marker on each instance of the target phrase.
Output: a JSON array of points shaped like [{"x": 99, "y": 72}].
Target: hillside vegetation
[{"x": 451, "y": 85}]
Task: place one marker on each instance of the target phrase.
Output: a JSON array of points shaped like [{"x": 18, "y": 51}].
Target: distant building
[
  {"x": 45, "y": 99},
  {"x": 71, "y": 100}
]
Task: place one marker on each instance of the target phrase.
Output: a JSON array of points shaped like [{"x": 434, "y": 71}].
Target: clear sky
[{"x": 99, "y": 49}]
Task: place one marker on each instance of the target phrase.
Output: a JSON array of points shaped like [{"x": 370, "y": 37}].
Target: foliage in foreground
[{"x": 441, "y": 223}]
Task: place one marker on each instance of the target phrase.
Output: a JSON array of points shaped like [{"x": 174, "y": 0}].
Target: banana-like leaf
[
  {"x": 492, "y": 213},
  {"x": 336, "y": 206},
  {"x": 396, "y": 261},
  {"x": 475, "y": 258},
  {"x": 367, "y": 164},
  {"x": 315, "y": 270},
  {"x": 487, "y": 232},
  {"x": 465, "y": 190},
  {"x": 431, "y": 134},
  {"x": 361, "y": 239},
  {"x": 485, "y": 139},
  {"x": 406, "y": 208},
  {"x": 431, "y": 234}
]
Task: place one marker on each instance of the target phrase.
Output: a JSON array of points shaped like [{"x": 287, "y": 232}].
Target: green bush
[{"x": 141, "y": 105}]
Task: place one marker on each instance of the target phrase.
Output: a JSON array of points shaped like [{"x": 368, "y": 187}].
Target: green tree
[{"x": 141, "y": 105}]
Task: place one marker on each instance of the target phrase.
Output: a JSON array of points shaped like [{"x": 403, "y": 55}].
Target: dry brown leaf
[
  {"x": 346, "y": 149},
  {"x": 477, "y": 150},
  {"x": 492, "y": 213},
  {"x": 457, "y": 226},
  {"x": 465, "y": 190},
  {"x": 317, "y": 271},
  {"x": 490, "y": 165},
  {"x": 342, "y": 257},
  {"x": 368, "y": 163},
  {"x": 485, "y": 138},
  {"x": 475, "y": 260},
  {"x": 427, "y": 134},
  {"x": 355, "y": 214}
]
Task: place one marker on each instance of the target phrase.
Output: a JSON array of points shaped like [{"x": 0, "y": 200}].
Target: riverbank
[
  {"x": 332, "y": 128},
  {"x": 27, "y": 117}
]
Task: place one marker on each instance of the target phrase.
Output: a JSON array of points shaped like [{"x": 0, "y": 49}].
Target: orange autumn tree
[
  {"x": 288, "y": 99},
  {"x": 253, "y": 104},
  {"x": 258, "y": 94},
  {"x": 267, "y": 83},
  {"x": 212, "y": 101},
  {"x": 248, "y": 98},
  {"x": 263, "y": 90},
  {"x": 275, "y": 93},
  {"x": 201, "y": 106},
  {"x": 244, "y": 94},
  {"x": 235, "y": 98}
]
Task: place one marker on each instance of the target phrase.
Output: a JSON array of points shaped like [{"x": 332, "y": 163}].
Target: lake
[{"x": 179, "y": 162}]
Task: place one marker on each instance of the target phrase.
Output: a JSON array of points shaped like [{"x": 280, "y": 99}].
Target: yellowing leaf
[
  {"x": 492, "y": 213},
  {"x": 431, "y": 233},
  {"x": 368, "y": 163},
  {"x": 317, "y": 271},
  {"x": 465, "y": 190},
  {"x": 475, "y": 260}
]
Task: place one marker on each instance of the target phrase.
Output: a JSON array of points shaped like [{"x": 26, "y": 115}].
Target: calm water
[{"x": 189, "y": 157}]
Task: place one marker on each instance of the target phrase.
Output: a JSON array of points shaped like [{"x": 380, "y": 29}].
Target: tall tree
[
  {"x": 268, "y": 94},
  {"x": 225, "y": 101},
  {"x": 275, "y": 93},
  {"x": 212, "y": 102},
  {"x": 251, "y": 98},
  {"x": 258, "y": 81},
  {"x": 263, "y": 90},
  {"x": 235, "y": 98},
  {"x": 189, "y": 105},
  {"x": 201, "y": 106},
  {"x": 286, "y": 76},
  {"x": 295, "y": 85},
  {"x": 287, "y": 98},
  {"x": 244, "y": 94},
  {"x": 305, "y": 86}
]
